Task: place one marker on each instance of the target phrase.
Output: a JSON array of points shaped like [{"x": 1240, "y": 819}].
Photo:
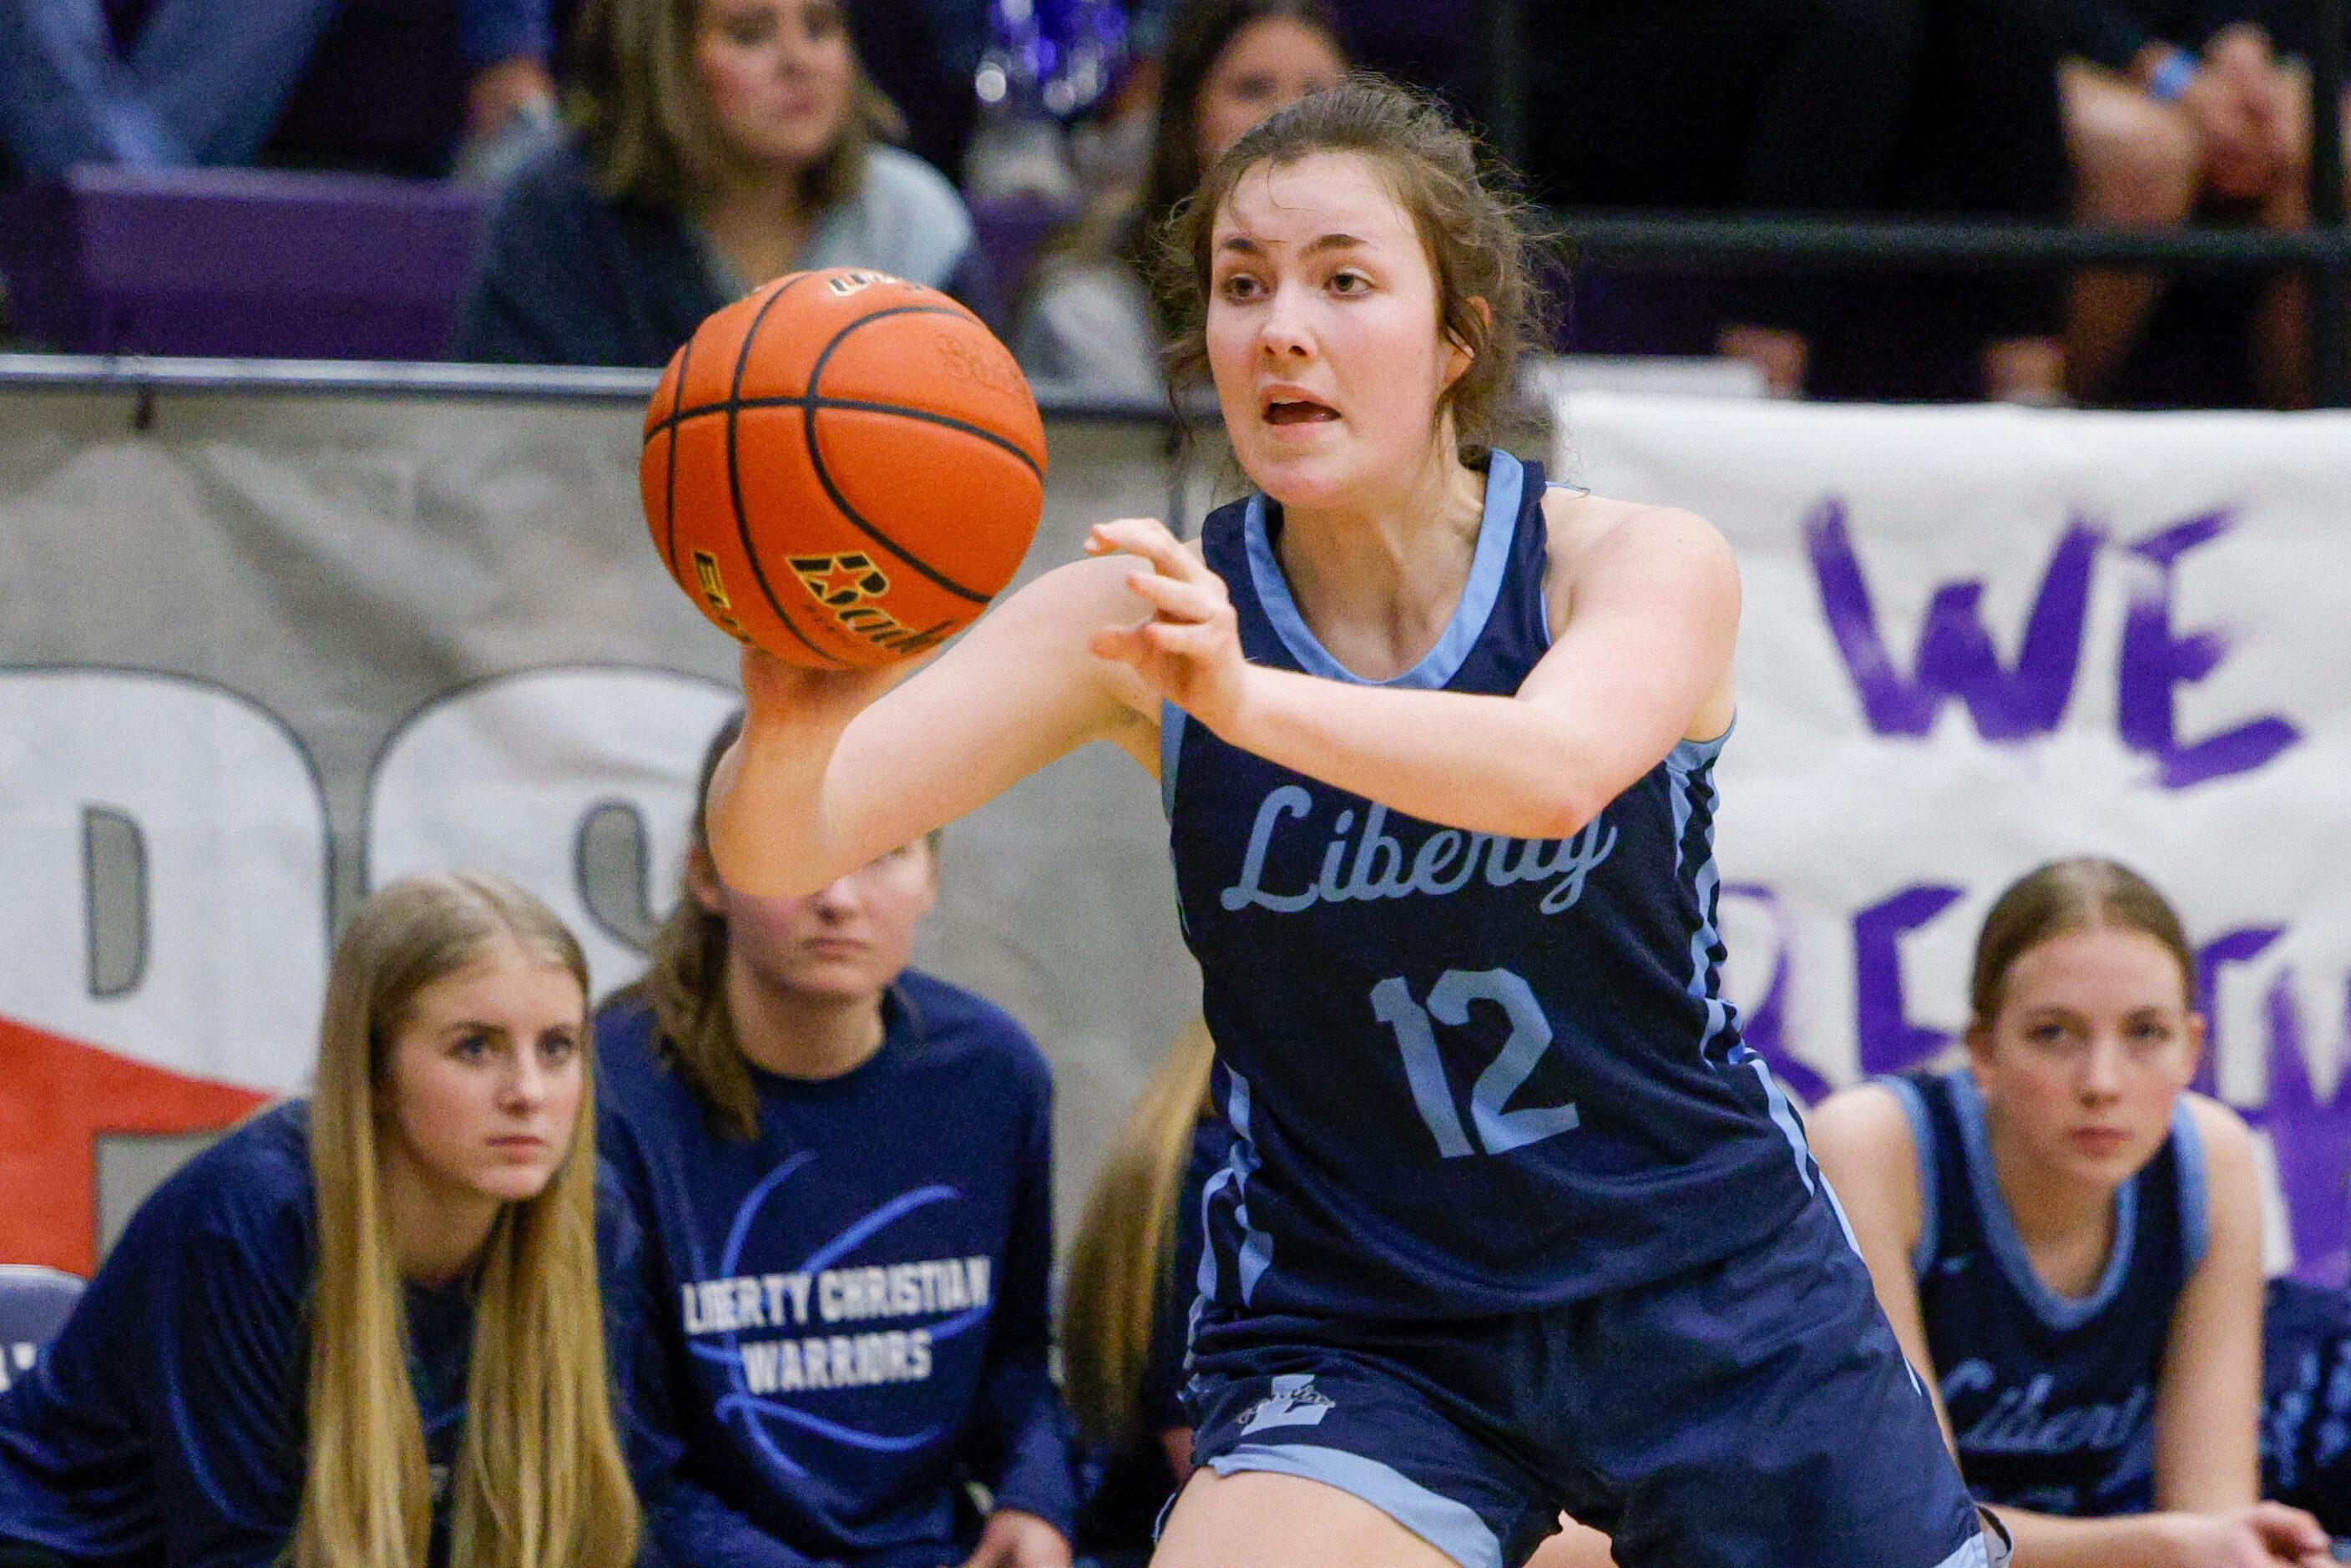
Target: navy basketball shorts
[{"x": 1753, "y": 1413}]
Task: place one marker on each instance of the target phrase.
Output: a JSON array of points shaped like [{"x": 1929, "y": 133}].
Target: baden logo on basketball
[{"x": 969, "y": 362}]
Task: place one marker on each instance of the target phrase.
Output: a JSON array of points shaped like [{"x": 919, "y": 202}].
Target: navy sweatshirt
[
  {"x": 851, "y": 1306},
  {"x": 165, "y": 1423}
]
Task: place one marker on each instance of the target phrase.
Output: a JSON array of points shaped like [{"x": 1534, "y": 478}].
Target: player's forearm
[
  {"x": 1485, "y": 764},
  {"x": 2044, "y": 1541},
  {"x": 769, "y": 825}
]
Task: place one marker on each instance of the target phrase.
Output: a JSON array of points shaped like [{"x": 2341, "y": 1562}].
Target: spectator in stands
[
  {"x": 844, "y": 1170},
  {"x": 2068, "y": 1243},
  {"x": 2172, "y": 106},
  {"x": 720, "y": 144},
  {"x": 367, "y": 1318},
  {"x": 1125, "y": 1314},
  {"x": 1089, "y": 329},
  {"x": 1839, "y": 108},
  {"x": 207, "y": 81}
]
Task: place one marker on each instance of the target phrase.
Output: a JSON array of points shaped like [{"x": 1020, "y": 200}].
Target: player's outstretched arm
[
  {"x": 836, "y": 766},
  {"x": 1644, "y": 657}
]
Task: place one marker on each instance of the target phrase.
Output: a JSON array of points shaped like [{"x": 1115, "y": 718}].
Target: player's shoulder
[
  {"x": 2223, "y": 1146},
  {"x": 1865, "y": 1131},
  {"x": 250, "y": 1196},
  {"x": 1585, "y": 528},
  {"x": 962, "y": 1029}
]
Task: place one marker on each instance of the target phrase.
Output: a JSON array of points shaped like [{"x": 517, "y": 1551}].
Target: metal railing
[{"x": 1662, "y": 242}]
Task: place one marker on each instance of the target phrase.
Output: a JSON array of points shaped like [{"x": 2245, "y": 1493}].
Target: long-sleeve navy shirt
[
  {"x": 852, "y": 1306},
  {"x": 165, "y": 1423}
]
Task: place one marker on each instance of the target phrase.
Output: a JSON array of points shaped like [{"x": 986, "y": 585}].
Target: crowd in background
[{"x": 648, "y": 160}]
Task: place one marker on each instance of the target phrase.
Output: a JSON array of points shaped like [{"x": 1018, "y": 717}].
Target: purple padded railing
[{"x": 243, "y": 263}]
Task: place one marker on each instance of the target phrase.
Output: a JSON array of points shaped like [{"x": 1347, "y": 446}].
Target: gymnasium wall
[{"x": 261, "y": 650}]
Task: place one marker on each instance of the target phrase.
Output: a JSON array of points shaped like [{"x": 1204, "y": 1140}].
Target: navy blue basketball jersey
[
  {"x": 2051, "y": 1398},
  {"x": 1463, "y": 1074}
]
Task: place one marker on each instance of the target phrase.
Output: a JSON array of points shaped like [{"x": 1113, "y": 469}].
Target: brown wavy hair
[
  {"x": 632, "y": 93},
  {"x": 1481, "y": 239}
]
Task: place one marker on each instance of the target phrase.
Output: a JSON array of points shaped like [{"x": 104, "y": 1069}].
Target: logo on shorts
[{"x": 1294, "y": 1402}]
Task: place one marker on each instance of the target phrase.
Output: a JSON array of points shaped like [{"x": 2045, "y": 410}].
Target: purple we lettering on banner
[{"x": 1957, "y": 659}]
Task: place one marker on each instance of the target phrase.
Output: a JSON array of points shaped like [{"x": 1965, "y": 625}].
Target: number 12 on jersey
[{"x": 1449, "y": 1001}]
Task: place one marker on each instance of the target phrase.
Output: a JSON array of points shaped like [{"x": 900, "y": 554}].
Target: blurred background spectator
[
  {"x": 718, "y": 143},
  {"x": 2177, "y": 109},
  {"x": 1089, "y": 328},
  {"x": 384, "y": 85}
]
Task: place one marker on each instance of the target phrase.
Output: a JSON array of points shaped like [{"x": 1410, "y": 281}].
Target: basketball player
[
  {"x": 1513, "y": 1221},
  {"x": 2069, "y": 1244}
]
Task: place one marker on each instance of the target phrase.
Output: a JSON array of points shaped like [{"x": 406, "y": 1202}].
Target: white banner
[{"x": 1978, "y": 639}]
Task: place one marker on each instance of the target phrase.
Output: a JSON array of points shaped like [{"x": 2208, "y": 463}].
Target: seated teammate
[
  {"x": 844, "y": 1170},
  {"x": 2068, "y": 1242},
  {"x": 363, "y": 1328}
]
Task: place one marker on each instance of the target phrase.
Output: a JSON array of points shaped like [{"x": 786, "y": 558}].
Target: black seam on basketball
[
  {"x": 669, "y": 481},
  {"x": 816, "y": 458},
  {"x": 734, "y": 479},
  {"x": 853, "y": 405}
]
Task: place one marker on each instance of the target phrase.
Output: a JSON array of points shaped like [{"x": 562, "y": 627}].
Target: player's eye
[
  {"x": 2050, "y": 1035},
  {"x": 749, "y": 29},
  {"x": 824, "y": 22},
  {"x": 1349, "y": 282},
  {"x": 558, "y": 1046},
  {"x": 1238, "y": 287},
  {"x": 474, "y": 1045}
]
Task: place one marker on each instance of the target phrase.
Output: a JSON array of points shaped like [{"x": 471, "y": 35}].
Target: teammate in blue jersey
[
  {"x": 844, "y": 1170},
  {"x": 2068, "y": 1242},
  {"x": 366, "y": 1327},
  {"x": 1513, "y": 1221}
]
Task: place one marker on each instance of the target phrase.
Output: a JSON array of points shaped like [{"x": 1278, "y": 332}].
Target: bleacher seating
[
  {"x": 272, "y": 264},
  {"x": 35, "y": 1302}
]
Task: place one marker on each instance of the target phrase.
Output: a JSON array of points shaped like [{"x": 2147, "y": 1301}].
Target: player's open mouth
[{"x": 1298, "y": 411}]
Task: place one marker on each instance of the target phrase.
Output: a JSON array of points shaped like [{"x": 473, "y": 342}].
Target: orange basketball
[{"x": 842, "y": 467}]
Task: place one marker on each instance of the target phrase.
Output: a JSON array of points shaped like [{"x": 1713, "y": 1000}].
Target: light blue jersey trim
[
  {"x": 1974, "y": 1555},
  {"x": 1453, "y": 1528},
  {"x": 1684, "y": 765},
  {"x": 1257, "y": 1246},
  {"x": 2195, "y": 1199},
  {"x": 2059, "y": 1313},
  {"x": 1504, "y": 484},
  {"x": 1922, "y": 1144},
  {"x": 1171, "y": 752}
]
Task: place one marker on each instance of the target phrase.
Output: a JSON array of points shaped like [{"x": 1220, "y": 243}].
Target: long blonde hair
[
  {"x": 539, "y": 1480},
  {"x": 1127, "y": 1243}
]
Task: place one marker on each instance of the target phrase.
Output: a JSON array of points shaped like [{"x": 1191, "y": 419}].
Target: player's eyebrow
[{"x": 1243, "y": 245}]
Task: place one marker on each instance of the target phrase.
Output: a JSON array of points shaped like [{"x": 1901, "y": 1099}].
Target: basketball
[{"x": 842, "y": 468}]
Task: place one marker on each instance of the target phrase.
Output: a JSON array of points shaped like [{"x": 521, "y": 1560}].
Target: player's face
[
  {"x": 1322, "y": 332},
  {"x": 844, "y": 942},
  {"x": 485, "y": 1077},
  {"x": 1269, "y": 63},
  {"x": 776, "y": 75},
  {"x": 2092, "y": 1046}
]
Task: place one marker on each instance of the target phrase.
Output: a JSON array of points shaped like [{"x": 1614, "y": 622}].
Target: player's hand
[
  {"x": 1191, "y": 648},
  {"x": 2266, "y": 1535},
  {"x": 782, "y": 697},
  {"x": 1012, "y": 1538}
]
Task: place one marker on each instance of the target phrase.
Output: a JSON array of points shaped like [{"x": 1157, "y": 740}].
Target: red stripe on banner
[{"x": 58, "y": 1098}]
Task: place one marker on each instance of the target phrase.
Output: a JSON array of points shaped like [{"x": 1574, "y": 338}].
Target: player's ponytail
[
  {"x": 1119, "y": 1263},
  {"x": 540, "y": 1481},
  {"x": 685, "y": 980}
]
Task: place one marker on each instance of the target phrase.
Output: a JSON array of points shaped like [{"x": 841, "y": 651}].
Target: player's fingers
[
  {"x": 1172, "y": 596},
  {"x": 1183, "y": 639},
  {"x": 1147, "y": 538}
]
